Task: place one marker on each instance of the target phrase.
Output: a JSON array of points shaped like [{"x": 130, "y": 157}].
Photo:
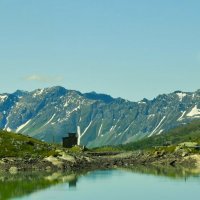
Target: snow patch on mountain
[
  {"x": 141, "y": 102},
  {"x": 194, "y": 112},
  {"x": 114, "y": 126},
  {"x": 154, "y": 131},
  {"x": 182, "y": 116},
  {"x": 8, "y": 129},
  {"x": 7, "y": 122},
  {"x": 22, "y": 126},
  {"x": 50, "y": 119},
  {"x": 68, "y": 113},
  {"x": 3, "y": 97},
  {"x": 128, "y": 127},
  {"x": 99, "y": 132},
  {"x": 66, "y": 104},
  {"x": 80, "y": 135},
  {"x": 160, "y": 132},
  {"x": 181, "y": 95},
  {"x": 38, "y": 92},
  {"x": 150, "y": 116},
  {"x": 86, "y": 128}
]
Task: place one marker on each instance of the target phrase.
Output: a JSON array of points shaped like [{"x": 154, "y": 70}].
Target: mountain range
[{"x": 49, "y": 114}]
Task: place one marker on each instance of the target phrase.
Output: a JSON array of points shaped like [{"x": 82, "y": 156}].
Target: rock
[
  {"x": 30, "y": 143},
  {"x": 55, "y": 161},
  {"x": 188, "y": 144},
  {"x": 13, "y": 170},
  {"x": 59, "y": 151},
  {"x": 184, "y": 154},
  {"x": 156, "y": 154},
  {"x": 2, "y": 162},
  {"x": 195, "y": 158},
  {"x": 172, "y": 163},
  {"x": 177, "y": 149},
  {"x": 67, "y": 157},
  {"x": 48, "y": 168},
  {"x": 88, "y": 159}
]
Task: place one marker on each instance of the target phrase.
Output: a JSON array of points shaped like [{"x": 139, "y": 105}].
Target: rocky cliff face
[{"x": 49, "y": 114}]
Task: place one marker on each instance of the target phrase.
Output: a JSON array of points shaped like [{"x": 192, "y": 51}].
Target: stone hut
[{"x": 70, "y": 141}]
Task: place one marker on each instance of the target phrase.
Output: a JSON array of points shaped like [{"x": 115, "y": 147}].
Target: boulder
[{"x": 13, "y": 170}]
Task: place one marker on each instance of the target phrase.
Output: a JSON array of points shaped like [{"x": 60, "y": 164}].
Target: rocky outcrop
[{"x": 68, "y": 161}]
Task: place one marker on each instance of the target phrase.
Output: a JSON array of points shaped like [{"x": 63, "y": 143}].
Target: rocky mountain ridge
[{"x": 49, "y": 114}]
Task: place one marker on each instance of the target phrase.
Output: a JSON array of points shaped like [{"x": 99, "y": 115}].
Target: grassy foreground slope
[
  {"x": 185, "y": 133},
  {"x": 17, "y": 145}
]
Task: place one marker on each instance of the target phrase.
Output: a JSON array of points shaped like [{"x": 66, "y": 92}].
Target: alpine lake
[{"x": 139, "y": 183}]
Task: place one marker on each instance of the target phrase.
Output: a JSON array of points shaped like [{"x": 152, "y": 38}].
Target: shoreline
[{"x": 66, "y": 161}]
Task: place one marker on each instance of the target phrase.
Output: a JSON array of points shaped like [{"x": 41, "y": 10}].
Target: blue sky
[{"x": 127, "y": 48}]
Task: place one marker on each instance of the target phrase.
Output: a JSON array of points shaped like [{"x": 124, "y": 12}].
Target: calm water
[{"x": 140, "y": 184}]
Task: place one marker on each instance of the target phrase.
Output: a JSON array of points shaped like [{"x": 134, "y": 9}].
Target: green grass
[
  {"x": 17, "y": 145},
  {"x": 106, "y": 149},
  {"x": 75, "y": 149},
  {"x": 184, "y": 133}
]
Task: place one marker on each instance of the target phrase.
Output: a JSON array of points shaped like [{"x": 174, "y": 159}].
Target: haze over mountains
[{"x": 49, "y": 114}]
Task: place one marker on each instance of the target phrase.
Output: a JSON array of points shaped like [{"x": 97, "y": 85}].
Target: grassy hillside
[
  {"x": 185, "y": 133},
  {"x": 17, "y": 145}
]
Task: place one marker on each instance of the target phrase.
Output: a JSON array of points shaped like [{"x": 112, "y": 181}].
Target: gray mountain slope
[{"x": 49, "y": 114}]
